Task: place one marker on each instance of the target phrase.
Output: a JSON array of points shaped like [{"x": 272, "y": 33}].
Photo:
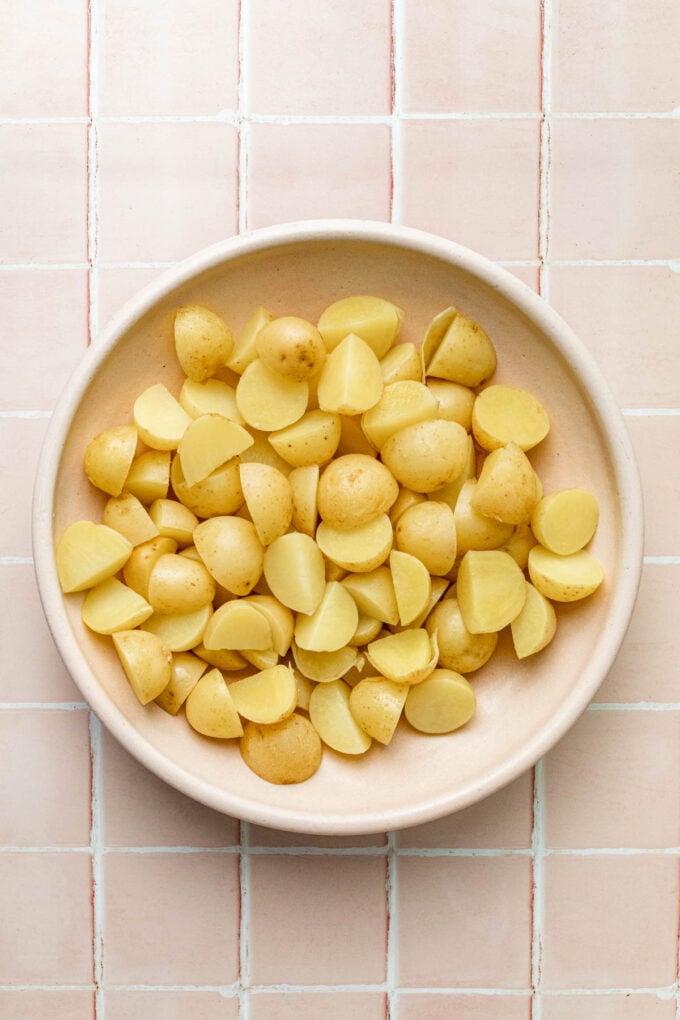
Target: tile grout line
[
  {"x": 537, "y": 892},
  {"x": 244, "y": 922},
  {"x": 92, "y": 173},
  {"x": 97, "y": 869}
]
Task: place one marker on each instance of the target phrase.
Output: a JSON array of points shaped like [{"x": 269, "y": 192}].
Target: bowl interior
[{"x": 522, "y": 707}]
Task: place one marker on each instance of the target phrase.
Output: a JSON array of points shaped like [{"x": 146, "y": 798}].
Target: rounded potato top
[
  {"x": 292, "y": 347},
  {"x": 354, "y": 489}
]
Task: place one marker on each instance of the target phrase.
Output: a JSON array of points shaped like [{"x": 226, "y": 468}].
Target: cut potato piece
[
  {"x": 126, "y": 514},
  {"x": 210, "y": 397},
  {"x": 180, "y": 632},
  {"x": 535, "y": 626},
  {"x": 506, "y": 488},
  {"x": 292, "y": 347},
  {"x": 305, "y": 687},
  {"x": 179, "y": 584},
  {"x": 401, "y": 362},
  {"x": 401, "y": 404},
  {"x": 428, "y": 532},
  {"x": 245, "y": 351},
  {"x": 474, "y": 530},
  {"x": 355, "y": 489},
  {"x": 203, "y": 341},
  {"x": 435, "y": 332},
  {"x": 374, "y": 594},
  {"x": 280, "y": 619},
  {"x": 264, "y": 658},
  {"x": 491, "y": 590},
  {"x": 108, "y": 458},
  {"x": 262, "y": 452},
  {"x": 322, "y": 667},
  {"x": 464, "y": 354},
  {"x": 566, "y": 520},
  {"x": 137, "y": 570},
  {"x": 269, "y": 499},
  {"x": 89, "y": 553},
  {"x": 186, "y": 671},
  {"x": 304, "y": 484},
  {"x": 455, "y": 401},
  {"x": 173, "y": 520},
  {"x": 146, "y": 662},
  {"x": 377, "y": 703},
  {"x": 238, "y": 625},
  {"x": 564, "y": 578},
  {"x": 519, "y": 544},
  {"x": 438, "y": 587},
  {"x": 405, "y": 499},
  {"x": 313, "y": 439},
  {"x": 331, "y": 716},
  {"x": 209, "y": 442},
  {"x": 412, "y": 586},
  {"x": 286, "y": 752},
  {"x": 149, "y": 476},
  {"x": 368, "y": 629},
  {"x": 442, "y": 703},
  {"x": 406, "y": 657},
  {"x": 458, "y": 648},
  {"x": 332, "y": 624},
  {"x": 428, "y": 455},
  {"x": 160, "y": 419},
  {"x": 226, "y": 659},
  {"x": 232, "y": 552},
  {"x": 267, "y": 400},
  {"x": 295, "y": 571},
  {"x": 450, "y": 493},
  {"x": 112, "y": 606},
  {"x": 351, "y": 380},
  {"x": 359, "y": 549},
  {"x": 210, "y": 708},
  {"x": 265, "y": 697},
  {"x": 374, "y": 319},
  {"x": 507, "y": 414},
  {"x": 353, "y": 438},
  {"x": 217, "y": 495}
]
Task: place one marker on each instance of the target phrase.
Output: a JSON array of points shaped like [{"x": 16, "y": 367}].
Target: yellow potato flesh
[
  {"x": 262, "y": 452},
  {"x": 506, "y": 488},
  {"x": 210, "y": 709},
  {"x": 374, "y": 594},
  {"x": 112, "y": 606},
  {"x": 428, "y": 455},
  {"x": 428, "y": 532},
  {"x": 269, "y": 499},
  {"x": 245, "y": 351},
  {"x": 186, "y": 670},
  {"x": 226, "y": 659},
  {"x": 137, "y": 570},
  {"x": 405, "y": 499},
  {"x": 305, "y": 686},
  {"x": 331, "y": 716},
  {"x": 179, "y": 632},
  {"x": 450, "y": 493},
  {"x": 214, "y": 396},
  {"x": 238, "y": 625},
  {"x": 218, "y": 494},
  {"x": 292, "y": 347},
  {"x": 374, "y": 319},
  {"x": 465, "y": 354},
  {"x": 203, "y": 341},
  {"x": 286, "y": 752},
  {"x": 322, "y": 667},
  {"x": 281, "y": 620},
  {"x": 173, "y": 520},
  {"x": 442, "y": 703},
  {"x": 401, "y": 404},
  {"x": 332, "y": 624},
  {"x": 160, "y": 419},
  {"x": 377, "y": 704},
  {"x": 149, "y": 476},
  {"x": 179, "y": 584},
  {"x": 209, "y": 442},
  {"x": 564, "y": 578},
  {"x": 412, "y": 586},
  {"x": 474, "y": 530},
  {"x": 109, "y": 456},
  {"x": 401, "y": 362},
  {"x": 267, "y": 401},
  {"x": 127, "y": 515},
  {"x": 232, "y": 552},
  {"x": 458, "y": 648},
  {"x": 434, "y": 334},
  {"x": 535, "y": 626},
  {"x": 89, "y": 553},
  {"x": 146, "y": 662},
  {"x": 265, "y": 697},
  {"x": 438, "y": 587},
  {"x": 491, "y": 590},
  {"x": 507, "y": 414},
  {"x": 351, "y": 380},
  {"x": 295, "y": 571},
  {"x": 368, "y": 629},
  {"x": 406, "y": 657},
  {"x": 455, "y": 402},
  {"x": 304, "y": 484},
  {"x": 359, "y": 549},
  {"x": 519, "y": 544},
  {"x": 354, "y": 490},
  {"x": 566, "y": 520},
  {"x": 311, "y": 440}
]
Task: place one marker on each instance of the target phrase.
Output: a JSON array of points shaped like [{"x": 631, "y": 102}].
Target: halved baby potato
[
  {"x": 474, "y": 530},
  {"x": 412, "y": 586},
  {"x": 269, "y": 498},
  {"x": 203, "y": 341},
  {"x": 374, "y": 594},
  {"x": 216, "y": 495},
  {"x": 406, "y": 657},
  {"x": 210, "y": 708},
  {"x": 292, "y": 347},
  {"x": 428, "y": 455},
  {"x": 332, "y": 624},
  {"x": 359, "y": 549},
  {"x": 286, "y": 752},
  {"x": 351, "y": 380},
  {"x": 146, "y": 662},
  {"x": 174, "y": 520},
  {"x": 304, "y": 484},
  {"x": 137, "y": 570},
  {"x": 149, "y": 476},
  {"x": 179, "y": 632},
  {"x": 491, "y": 590},
  {"x": 507, "y": 414},
  {"x": 459, "y": 649},
  {"x": 462, "y": 352},
  {"x": 564, "y": 578},
  {"x": 89, "y": 553},
  {"x": 295, "y": 571},
  {"x": 322, "y": 667},
  {"x": 232, "y": 552},
  {"x": 355, "y": 489},
  {"x": 160, "y": 419},
  {"x": 186, "y": 670},
  {"x": 179, "y": 584},
  {"x": 428, "y": 532},
  {"x": 112, "y": 606},
  {"x": 402, "y": 403},
  {"x": 312, "y": 439},
  {"x": 109, "y": 456},
  {"x": 565, "y": 521},
  {"x": 401, "y": 362},
  {"x": 238, "y": 625},
  {"x": 535, "y": 626},
  {"x": 332, "y": 718},
  {"x": 245, "y": 351},
  {"x": 214, "y": 396},
  {"x": 374, "y": 319},
  {"x": 269, "y": 401},
  {"x": 128, "y": 516},
  {"x": 208, "y": 442},
  {"x": 442, "y": 703},
  {"x": 267, "y": 696},
  {"x": 377, "y": 703},
  {"x": 507, "y": 488}
]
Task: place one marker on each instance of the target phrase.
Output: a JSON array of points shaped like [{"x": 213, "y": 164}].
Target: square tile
[
  {"x": 475, "y": 181},
  {"x": 464, "y": 921},
  {"x": 45, "y": 314},
  {"x": 44, "y": 60},
  {"x": 33, "y": 670},
  {"x": 45, "y": 219},
  {"x": 610, "y": 921},
  {"x": 606, "y": 1007},
  {"x": 640, "y": 672},
  {"x": 35, "y": 1005},
  {"x": 176, "y": 820},
  {"x": 342, "y": 944},
  {"x": 313, "y": 1005},
  {"x": 630, "y": 798},
  {"x": 659, "y": 475},
  {"x": 309, "y": 171},
  {"x": 171, "y": 918},
  {"x": 625, "y": 206},
  {"x": 502, "y": 821},
  {"x": 21, "y": 440},
  {"x": 46, "y": 777},
  {"x": 527, "y": 274},
  {"x": 615, "y": 60},
  {"x": 116, "y": 286},
  {"x": 454, "y": 61},
  {"x": 171, "y": 1005},
  {"x": 165, "y": 189},
  {"x": 620, "y": 312},
  {"x": 168, "y": 59},
  {"x": 46, "y": 930},
  {"x": 463, "y": 1007},
  {"x": 320, "y": 58}
]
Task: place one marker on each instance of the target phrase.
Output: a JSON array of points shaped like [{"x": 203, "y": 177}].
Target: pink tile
[
  {"x": 319, "y": 58},
  {"x": 313, "y": 1005},
  {"x": 343, "y": 943},
  {"x": 46, "y": 930},
  {"x": 659, "y": 476},
  {"x": 23, "y": 439},
  {"x": 36, "y": 1005},
  {"x": 454, "y": 60},
  {"x": 308, "y": 171},
  {"x": 171, "y": 918},
  {"x": 44, "y": 60},
  {"x": 618, "y": 312},
  {"x": 463, "y": 1007},
  {"x": 475, "y": 181},
  {"x": 607, "y": 1007},
  {"x": 46, "y": 221},
  {"x": 45, "y": 314},
  {"x": 116, "y": 286},
  {"x": 610, "y": 921},
  {"x": 464, "y": 921},
  {"x": 46, "y": 777},
  {"x": 527, "y": 274},
  {"x": 625, "y": 62},
  {"x": 176, "y": 820},
  {"x": 33, "y": 669},
  {"x": 630, "y": 797},
  {"x": 259, "y": 836},
  {"x": 171, "y": 1005},
  {"x": 625, "y": 206},
  {"x": 168, "y": 59},
  {"x": 165, "y": 189},
  {"x": 640, "y": 672},
  {"x": 503, "y": 820}
]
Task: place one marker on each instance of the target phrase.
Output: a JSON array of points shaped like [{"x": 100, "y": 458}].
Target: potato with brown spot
[{"x": 292, "y": 347}]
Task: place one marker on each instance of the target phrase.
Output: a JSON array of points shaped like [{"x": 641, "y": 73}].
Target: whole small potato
[
  {"x": 292, "y": 347},
  {"x": 354, "y": 489}
]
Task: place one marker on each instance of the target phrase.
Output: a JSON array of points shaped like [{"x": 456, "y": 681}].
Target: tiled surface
[{"x": 541, "y": 132}]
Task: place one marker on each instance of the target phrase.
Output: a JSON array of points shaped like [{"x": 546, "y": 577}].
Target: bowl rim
[{"x": 603, "y": 406}]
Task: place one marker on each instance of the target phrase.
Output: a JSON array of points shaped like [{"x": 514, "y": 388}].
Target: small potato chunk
[
  {"x": 160, "y": 419},
  {"x": 217, "y": 495},
  {"x": 226, "y": 659},
  {"x": 232, "y": 552},
  {"x": 126, "y": 514},
  {"x": 506, "y": 414},
  {"x": 458, "y": 648},
  {"x": 295, "y": 571},
  {"x": 292, "y": 347},
  {"x": 238, "y": 625},
  {"x": 210, "y": 708},
  {"x": 374, "y": 319},
  {"x": 355, "y": 489},
  {"x": 535, "y": 626},
  {"x": 566, "y": 520},
  {"x": 203, "y": 341},
  {"x": 519, "y": 544},
  {"x": 304, "y": 690},
  {"x": 359, "y": 549},
  {"x": 269, "y": 499},
  {"x": 405, "y": 499},
  {"x": 269, "y": 401},
  {"x": 401, "y": 362},
  {"x": 506, "y": 488},
  {"x": 442, "y": 703},
  {"x": 464, "y": 354},
  {"x": 322, "y": 667},
  {"x": 313, "y": 439},
  {"x": 428, "y": 532},
  {"x": 210, "y": 397},
  {"x": 491, "y": 590},
  {"x": 179, "y": 632},
  {"x": 412, "y": 585},
  {"x": 406, "y": 657},
  {"x": 304, "y": 484},
  {"x": 281, "y": 620},
  {"x": 401, "y": 404},
  {"x": 455, "y": 401},
  {"x": 331, "y": 716},
  {"x": 368, "y": 629},
  {"x": 89, "y": 553},
  {"x": 112, "y": 606},
  {"x": 149, "y": 476},
  {"x": 376, "y": 703},
  {"x": 474, "y": 530},
  {"x": 137, "y": 570},
  {"x": 351, "y": 380},
  {"x": 331, "y": 625},
  {"x": 374, "y": 594},
  {"x": 178, "y": 584},
  {"x": 427, "y": 456},
  {"x": 286, "y": 752},
  {"x": 450, "y": 493},
  {"x": 564, "y": 578},
  {"x": 146, "y": 662},
  {"x": 209, "y": 442},
  {"x": 265, "y": 697},
  {"x": 245, "y": 351},
  {"x": 186, "y": 671},
  {"x": 173, "y": 520},
  {"x": 108, "y": 458},
  {"x": 439, "y": 585}
]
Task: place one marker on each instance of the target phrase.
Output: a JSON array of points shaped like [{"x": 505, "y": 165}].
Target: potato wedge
[
  {"x": 374, "y": 594},
  {"x": 491, "y": 590},
  {"x": 564, "y": 578},
  {"x": 401, "y": 362},
  {"x": 89, "y": 553},
  {"x": 304, "y": 484},
  {"x": 351, "y": 380},
  {"x": 210, "y": 708},
  {"x": 331, "y": 716},
  {"x": 146, "y": 662},
  {"x": 464, "y": 354},
  {"x": 244, "y": 351},
  {"x": 412, "y": 586},
  {"x": 377, "y": 703},
  {"x": 109, "y": 456},
  {"x": 535, "y": 626}
]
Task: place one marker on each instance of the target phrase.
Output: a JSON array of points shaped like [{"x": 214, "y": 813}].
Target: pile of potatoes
[{"x": 324, "y": 530}]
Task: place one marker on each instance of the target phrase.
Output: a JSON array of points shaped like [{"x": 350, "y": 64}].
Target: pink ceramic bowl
[{"x": 523, "y": 708}]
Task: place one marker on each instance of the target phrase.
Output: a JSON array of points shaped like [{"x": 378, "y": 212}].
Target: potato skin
[
  {"x": 286, "y": 752},
  {"x": 292, "y": 347},
  {"x": 354, "y": 489}
]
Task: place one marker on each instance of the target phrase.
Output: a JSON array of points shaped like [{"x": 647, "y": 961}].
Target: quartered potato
[
  {"x": 179, "y": 632},
  {"x": 535, "y": 626},
  {"x": 245, "y": 351},
  {"x": 203, "y": 341},
  {"x": 322, "y": 667},
  {"x": 109, "y": 456},
  {"x": 332, "y": 624},
  {"x": 295, "y": 571},
  {"x": 402, "y": 403},
  {"x": 332, "y": 718},
  {"x": 286, "y": 752},
  {"x": 351, "y": 380},
  {"x": 374, "y": 594},
  {"x": 149, "y": 476},
  {"x": 210, "y": 441},
  {"x": 127, "y": 515},
  {"x": 443, "y": 702},
  {"x": 210, "y": 708},
  {"x": 218, "y": 494},
  {"x": 186, "y": 670},
  {"x": 566, "y": 520},
  {"x": 89, "y": 553},
  {"x": 401, "y": 362},
  {"x": 174, "y": 520},
  {"x": 374, "y": 319},
  {"x": 146, "y": 662},
  {"x": 269, "y": 498},
  {"x": 160, "y": 419},
  {"x": 406, "y": 657},
  {"x": 210, "y": 397},
  {"x": 507, "y": 487},
  {"x": 377, "y": 703},
  {"x": 304, "y": 485},
  {"x": 491, "y": 590},
  {"x": 507, "y": 414},
  {"x": 112, "y": 606},
  {"x": 412, "y": 586},
  {"x": 265, "y": 697},
  {"x": 281, "y": 621},
  {"x": 462, "y": 353}
]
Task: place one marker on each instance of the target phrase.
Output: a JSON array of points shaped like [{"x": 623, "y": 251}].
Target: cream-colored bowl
[{"x": 523, "y": 708}]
